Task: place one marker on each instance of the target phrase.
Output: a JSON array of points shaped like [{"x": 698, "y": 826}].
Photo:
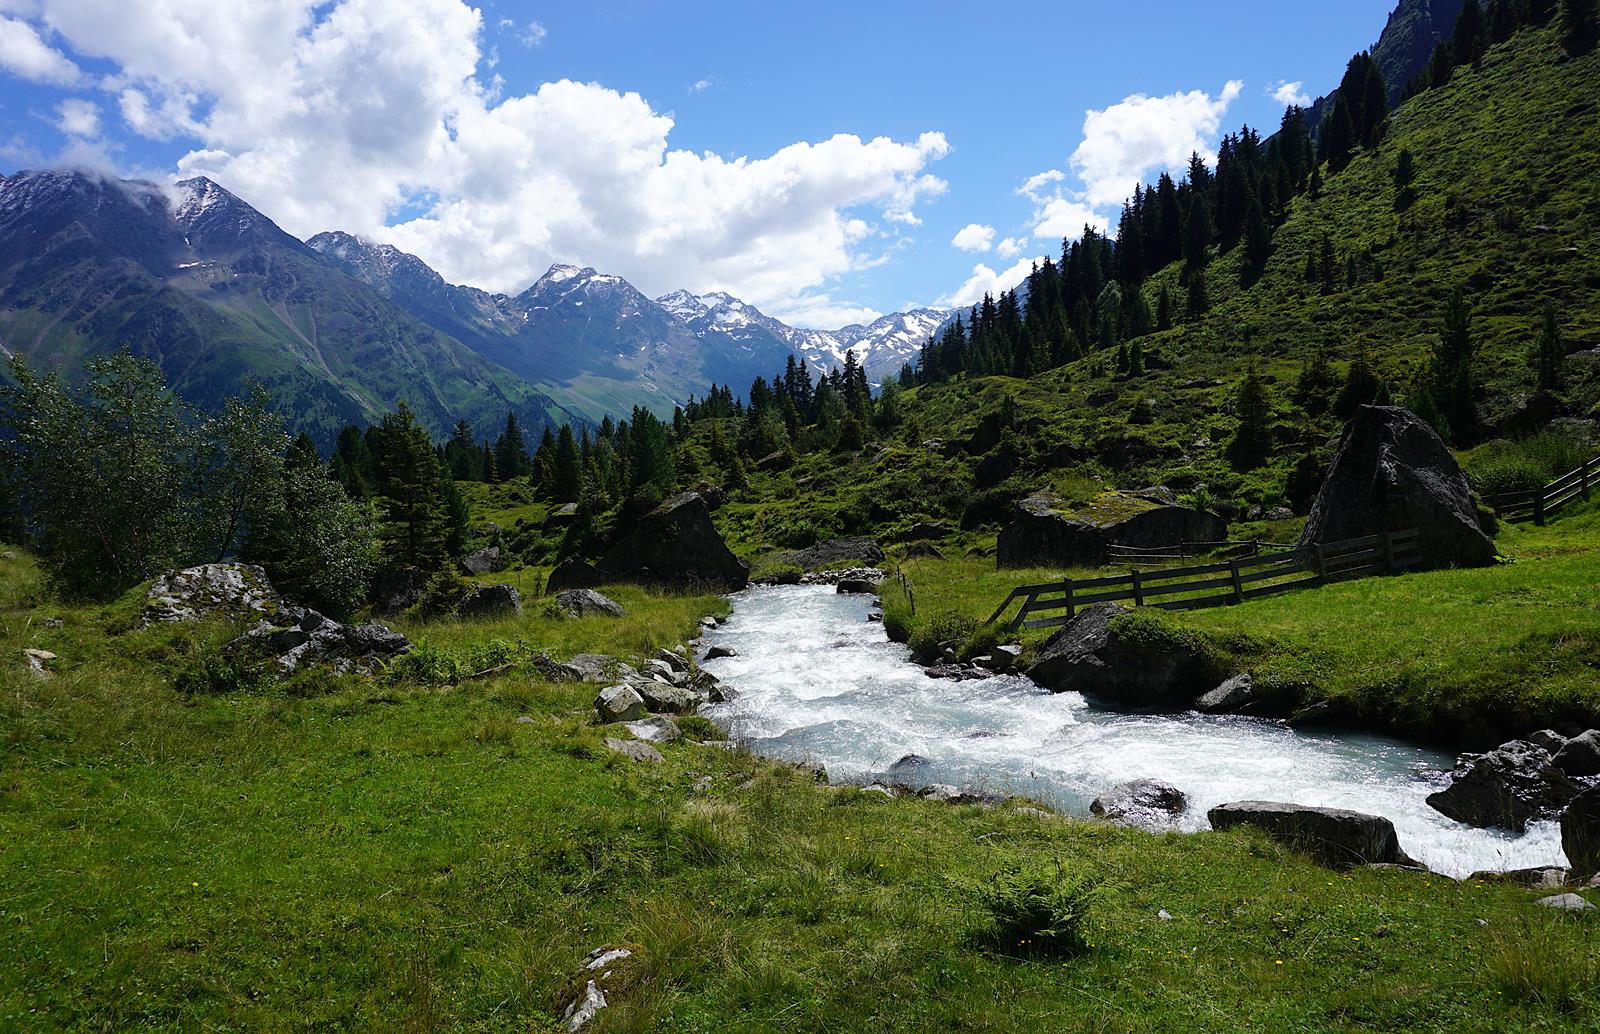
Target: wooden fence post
[
  {"x": 1322, "y": 564},
  {"x": 1538, "y": 507},
  {"x": 1238, "y": 586},
  {"x": 1138, "y": 591},
  {"x": 1066, "y": 589},
  {"x": 1388, "y": 552},
  {"x": 1583, "y": 479}
]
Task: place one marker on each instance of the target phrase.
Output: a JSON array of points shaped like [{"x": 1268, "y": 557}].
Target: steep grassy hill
[{"x": 1507, "y": 211}]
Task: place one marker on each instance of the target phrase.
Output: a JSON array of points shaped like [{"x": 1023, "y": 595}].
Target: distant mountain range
[{"x": 339, "y": 328}]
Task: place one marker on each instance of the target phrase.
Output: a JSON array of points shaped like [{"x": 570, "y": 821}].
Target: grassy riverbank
[
  {"x": 414, "y": 857},
  {"x": 1442, "y": 655}
]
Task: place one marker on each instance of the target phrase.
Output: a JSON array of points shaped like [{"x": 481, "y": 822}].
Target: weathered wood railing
[
  {"x": 1538, "y": 504},
  {"x": 1241, "y": 579}
]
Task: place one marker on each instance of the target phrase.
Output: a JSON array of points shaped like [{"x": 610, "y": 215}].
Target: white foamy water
[{"x": 818, "y": 682}]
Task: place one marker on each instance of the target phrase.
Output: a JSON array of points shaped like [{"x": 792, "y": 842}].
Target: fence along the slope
[
  {"x": 1238, "y": 580},
  {"x": 1536, "y": 504}
]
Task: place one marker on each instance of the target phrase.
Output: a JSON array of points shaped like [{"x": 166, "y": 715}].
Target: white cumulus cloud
[
  {"x": 1287, "y": 93},
  {"x": 25, "y": 54},
  {"x": 1127, "y": 141},
  {"x": 533, "y": 34},
  {"x": 974, "y": 237},
  {"x": 987, "y": 281},
  {"x": 371, "y": 116},
  {"x": 78, "y": 117},
  {"x": 1011, "y": 247}
]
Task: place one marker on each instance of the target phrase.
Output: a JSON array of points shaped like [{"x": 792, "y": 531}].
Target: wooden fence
[
  {"x": 1240, "y": 578},
  {"x": 1540, "y": 503}
]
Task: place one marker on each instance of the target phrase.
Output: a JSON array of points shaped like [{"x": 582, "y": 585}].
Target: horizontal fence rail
[
  {"x": 1217, "y": 584},
  {"x": 1538, "y": 504},
  {"x": 1181, "y": 551}
]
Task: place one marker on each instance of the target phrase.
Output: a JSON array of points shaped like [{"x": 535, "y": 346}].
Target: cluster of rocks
[
  {"x": 298, "y": 636},
  {"x": 645, "y": 698},
  {"x": 1546, "y": 776},
  {"x": 237, "y": 591},
  {"x": 862, "y": 551}
]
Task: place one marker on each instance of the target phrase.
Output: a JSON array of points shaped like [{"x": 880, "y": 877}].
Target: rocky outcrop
[
  {"x": 586, "y": 603},
  {"x": 619, "y": 704},
  {"x": 1088, "y": 656},
  {"x": 236, "y": 591},
  {"x": 1580, "y": 833},
  {"x": 572, "y": 573},
  {"x": 656, "y": 729},
  {"x": 1147, "y": 804},
  {"x": 858, "y": 586},
  {"x": 298, "y": 636},
  {"x": 606, "y": 968},
  {"x": 1042, "y": 534},
  {"x": 490, "y": 601},
  {"x": 597, "y": 667},
  {"x": 636, "y": 751},
  {"x": 835, "y": 551},
  {"x": 1392, "y": 472},
  {"x": 1507, "y": 787},
  {"x": 676, "y": 545},
  {"x": 1333, "y": 836}
]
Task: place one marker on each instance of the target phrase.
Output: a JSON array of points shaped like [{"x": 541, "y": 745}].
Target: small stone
[
  {"x": 878, "y": 788},
  {"x": 1567, "y": 903},
  {"x": 8, "y": 555},
  {"x": 636, "y": 750},
  {"x": 41, "y": 655},
  {"x": 717, "y": 652},
  {"x": 1163, "y": 914},
  {"x": 524, "y": 719}
]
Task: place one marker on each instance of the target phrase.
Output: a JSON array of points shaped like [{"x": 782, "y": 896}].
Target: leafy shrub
[
  {"x": 216, "y": 674},
  {"x": 1503, "y": 466},
  {"x": 442, "y": 595},
  {"x": 929, "y": 634},
  {"x": 1036, "y": 910}
]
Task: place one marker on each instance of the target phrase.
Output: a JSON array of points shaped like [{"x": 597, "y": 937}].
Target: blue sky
[{"x": 817, "y": 159}]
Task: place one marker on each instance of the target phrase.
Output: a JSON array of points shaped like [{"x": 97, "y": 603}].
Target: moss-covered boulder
[{"x": 1043, "y": 532}]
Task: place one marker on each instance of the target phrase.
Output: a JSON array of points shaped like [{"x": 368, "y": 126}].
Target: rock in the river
[
  {"x": 1568, "y": 902},
  {"x": 1392, "y": 472},
  {"x": 1228, "y": 698},
  {"x": 1333, "y": 836},
  {"x": 490, "y": 601},
  {"x": 1580, "y": 756},
  {"x": 1148, "y": 804},
  {"x": 676, "y": 544},
  {"x": 1088, "y": 656},
  {"x": 655, "y": 729},
  {"x": 233, "y": 590},
  {"x": 1042, "y": 534},
  {"x": 298, "y": 636},
  {"x": 1580, "y": 833},
  {"x": 487, "y": 560},
  {"x": 717, "y": 652},
  {"x": 572, "y": 573},
  {"x": 619, "y": 704},
  {"x": 636, "y": 750},
  {"x": 1507, "y": 787},
  {"x": 1549, "y": 739},
  {"x": 585, "y": 603},
  {"x": 858, "y": 586}
]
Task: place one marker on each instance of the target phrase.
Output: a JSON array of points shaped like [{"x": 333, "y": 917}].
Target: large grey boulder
[
  {"x": 676, "y": 545},
  {"x": 585, "y": 603},
  {"x": 1148, "y": 804},
  {"x": 1229, "y": 698},
  {"x": 1580, "y": 756},
  {"x": 1580, "y": 833},
  {"x": 656, "y": 729},
  {"x": 1508, "y": 787},
  {"x": 833, "y": 551},
  {"x": 237, "y": 591},
  {"x": 1089, "y": 656},
  {"x": 660, "y": 697},
  {"x": 1568, "y": 902},
  {"x": 1042, "y": 534},
  {"x": 636, "y": 751},
  {"x": 597, "y": 667},
  {"x": 1392, "y": 472},
  {"x": 490, "y": 601},
  {"x": 487, "y": 560},
  {"x": 1333, "y": 836},
  {"x": 619, "y": 704}
]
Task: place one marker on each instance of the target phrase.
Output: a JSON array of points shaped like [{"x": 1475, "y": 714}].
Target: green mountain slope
[{"x": 1508, "y": 211}]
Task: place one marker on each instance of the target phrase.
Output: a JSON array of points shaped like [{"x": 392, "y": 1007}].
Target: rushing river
[{"x": 818, "y": 682}]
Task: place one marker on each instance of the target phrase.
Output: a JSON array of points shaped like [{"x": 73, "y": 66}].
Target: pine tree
[
  {"x": 1360, "y": 387},
  {"x": 1197, "y": 232},
  {"x": 1468, "y": 41},
  {"x": 1451, "y": 374},
  {"x": 1339, "y": 140},
  {"x": 1252, "y": 443},
  {"x": 1314, "y": 190},
  {"x": 1580, "y": 26},
  {"x": 511, "y": 450},
  {"x": 409, "y": 477},
  {"x": 1135, "y": 359},
  {"x": 1257, "y": 236},
  {"x": 1405, "y": 174},
  {"x": 567, "y": 472},
  {"x": 1550, "y": 351},
  {"x": 1199, "y": 301},
  {"x": 1314, "y": 389},
  {"x": 1164, "y": 309},
  {"x": 486, "y": 463}
]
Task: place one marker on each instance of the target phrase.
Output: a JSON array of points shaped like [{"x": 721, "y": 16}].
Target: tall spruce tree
[
  {"x": 1580, "y": 25},
  {"x": 1550, "y": 352},
  {"x": 567, "y": 471},
  {"x": 1451, "y": 376},
  {"x": 409, "y": 485},
  {"x": 1252, "y": 442}
]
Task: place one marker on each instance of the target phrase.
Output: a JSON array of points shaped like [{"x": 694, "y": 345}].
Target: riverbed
[{"x": 818, "y": 682}]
